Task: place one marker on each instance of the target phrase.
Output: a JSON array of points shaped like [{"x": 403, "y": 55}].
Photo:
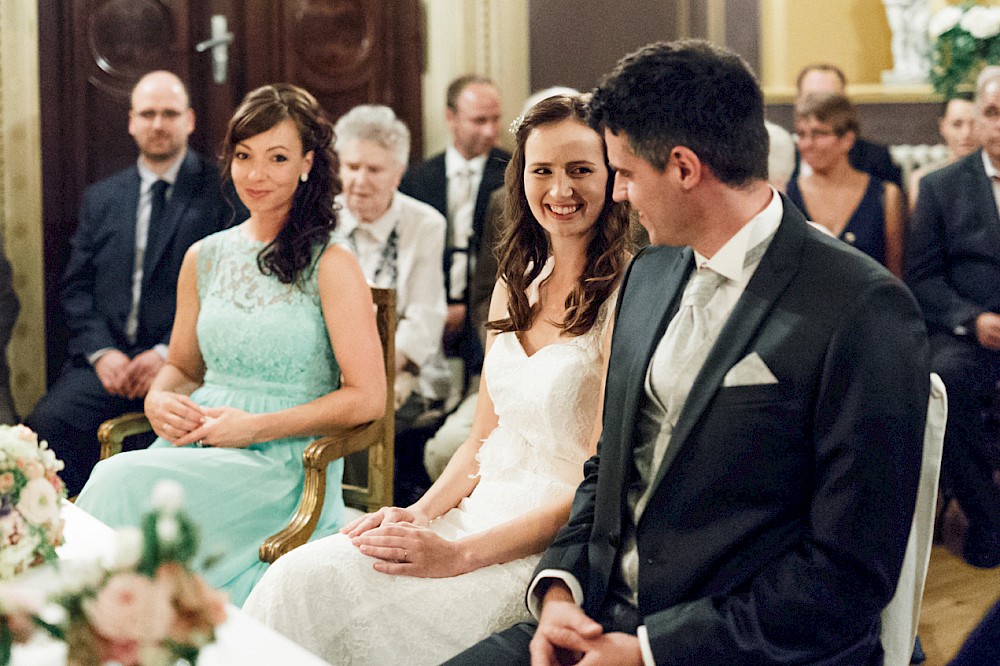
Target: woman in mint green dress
[{"x": 274, "y": 343}]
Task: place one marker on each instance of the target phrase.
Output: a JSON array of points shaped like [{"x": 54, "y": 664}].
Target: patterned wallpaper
[{"x": 21, "y": 194}]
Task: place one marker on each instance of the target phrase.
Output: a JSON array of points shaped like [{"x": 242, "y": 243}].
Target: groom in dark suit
[
  {"x": 119, "y": 286},
  {"x": 765, "y": 402}
]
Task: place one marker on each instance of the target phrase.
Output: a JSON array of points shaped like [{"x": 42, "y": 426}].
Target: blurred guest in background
[
  {"x": 857, "y": 207},
  {"x": 399, "y": 242},
  {"x": 957, "y": 128},
  {"x": 865, "y": 155}
]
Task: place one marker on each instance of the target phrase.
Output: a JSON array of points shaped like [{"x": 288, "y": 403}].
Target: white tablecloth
[{"x": 240, "y": 640}]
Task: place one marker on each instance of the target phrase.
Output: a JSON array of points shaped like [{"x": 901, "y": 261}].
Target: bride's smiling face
[{"x": 565, "y": 177}]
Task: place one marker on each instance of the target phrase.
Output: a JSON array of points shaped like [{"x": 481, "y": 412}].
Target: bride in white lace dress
[{"x": 417, "y": 585}]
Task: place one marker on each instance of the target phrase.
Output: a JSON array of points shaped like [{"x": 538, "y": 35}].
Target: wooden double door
[{"x": 346, "y": 52}]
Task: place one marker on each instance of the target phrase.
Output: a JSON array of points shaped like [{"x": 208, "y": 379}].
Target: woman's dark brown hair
[
  {"x": 524, "y": 247},
  {"x": 312, "y": 216},
  {"x": 832, "y": 108}
]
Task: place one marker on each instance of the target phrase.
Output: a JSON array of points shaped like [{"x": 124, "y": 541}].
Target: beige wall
[
  {"x": 21, "y": 193},
  {"x": 851, "y": 33},
  {"x": 483, "y": 36}
]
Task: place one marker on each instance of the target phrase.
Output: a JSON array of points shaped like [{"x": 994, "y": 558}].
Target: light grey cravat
[{"x": 681, "y": 353}]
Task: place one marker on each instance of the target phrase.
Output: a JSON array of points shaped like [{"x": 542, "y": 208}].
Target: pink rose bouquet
[
  {"x": 146, "y": 608},
  {"x": 30, "y": 492}
]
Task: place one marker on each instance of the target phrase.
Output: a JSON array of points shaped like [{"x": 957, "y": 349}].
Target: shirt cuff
[
  {"x": 93, "y": 358},
  {"x": 534, "y": 602},
  {"x": 162, "y": 350},
  {"x": 647, "y": 651}
]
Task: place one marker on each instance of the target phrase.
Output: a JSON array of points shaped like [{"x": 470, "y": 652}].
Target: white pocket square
[{"x": 751, "y": 371}]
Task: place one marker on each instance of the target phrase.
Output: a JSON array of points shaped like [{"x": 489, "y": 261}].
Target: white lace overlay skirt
[{"x": 326, "y": 596}]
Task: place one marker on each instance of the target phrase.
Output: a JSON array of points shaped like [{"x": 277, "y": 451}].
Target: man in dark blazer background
[
  {"x": 953, "y": 267},
  {"x": 458, "y": 183},
  {"x": 751, "y": 498},
  {"x": 119, "y": 287}
]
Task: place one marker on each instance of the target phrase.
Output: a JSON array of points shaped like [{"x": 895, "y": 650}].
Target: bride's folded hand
[
  {"x": 413, "y": 550},
  {"x": 384, "y": 516}
]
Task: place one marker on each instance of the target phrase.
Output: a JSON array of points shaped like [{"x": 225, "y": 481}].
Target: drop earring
[{"x": 304, "y": 177}]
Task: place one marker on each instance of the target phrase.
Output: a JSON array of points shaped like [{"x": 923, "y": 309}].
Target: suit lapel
[
  {"x": 656, "y": 301},
  {"x": 178, "y": 203},
  {"x": 492, "y": 178},
  {"x": 777, "y": 268},
  {"x": 129, "y": 196},
  {"x": 437, "y": 192},
  {"x": 125, "y": 231},
  {"x": 983, "y": 189}
]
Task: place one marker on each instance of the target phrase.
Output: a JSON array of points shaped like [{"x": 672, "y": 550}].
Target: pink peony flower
[
  {"x": 58, "y": 484},
  {"x": 25, "y": 433},
  {"x": 31, "y": 468},
  {"x": 38, "y": 502},
  {"x": 6, "y": 482},
  {"x": 126, "y": 653},
  {"x": 131, "y": 608}
]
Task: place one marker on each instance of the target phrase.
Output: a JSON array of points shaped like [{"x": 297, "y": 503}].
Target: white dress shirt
[
  {"x": 728, "y": 262},
  {"x": 419, "y": 282},
  {"x": 464, "y": 177},
  {"x": 994, "y": 175}
]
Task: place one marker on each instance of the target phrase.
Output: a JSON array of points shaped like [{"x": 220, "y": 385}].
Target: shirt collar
[
  {"x": 991, "y": 171},
  {"x": 729, "y": 260},
  {"x": 455, "y": 163},
  {"x": 378, "y": 229},
  {"x": 148, "y": 176}
]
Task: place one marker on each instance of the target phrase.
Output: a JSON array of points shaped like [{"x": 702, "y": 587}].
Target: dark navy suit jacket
[
  {"x": 428, "y": 182},
  {"x": 953, "y": 249},
  {"x": 97, "y": 285},
  {"x": 779, "y": 517}
]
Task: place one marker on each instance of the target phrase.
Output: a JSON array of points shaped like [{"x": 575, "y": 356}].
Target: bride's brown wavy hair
[{"x": 523, "y": 243}]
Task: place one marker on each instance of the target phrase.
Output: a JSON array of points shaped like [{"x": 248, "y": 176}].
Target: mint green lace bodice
[{"x": 259, "y": 336}]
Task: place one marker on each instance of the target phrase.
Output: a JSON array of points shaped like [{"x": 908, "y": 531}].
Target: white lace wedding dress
[{"x": 326, "y": 596}]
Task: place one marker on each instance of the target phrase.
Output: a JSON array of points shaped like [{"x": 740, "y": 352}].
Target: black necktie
[{"x": 159, "y": 190}]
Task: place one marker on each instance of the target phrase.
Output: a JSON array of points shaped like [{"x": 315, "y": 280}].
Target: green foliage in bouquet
[{"x": 965, "y": 38}]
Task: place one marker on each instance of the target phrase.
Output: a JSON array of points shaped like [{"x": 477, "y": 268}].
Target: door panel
[{"x": 346, "y": 52}]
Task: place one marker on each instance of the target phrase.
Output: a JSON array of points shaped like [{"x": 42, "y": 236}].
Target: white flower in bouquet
[
  {"x": 981, "y": 22},
  {"x": 944, "y": 20},
  {"x": 74, "y": 577},
  {"x": 14, "y": 557},
  {"x": 39, "y": 502},
  {"x": 168, "y": 496},
  {"x": 167, "y": 529},
  {"x": 30, "y": 492},
  {"x": 128, "y": 548}
]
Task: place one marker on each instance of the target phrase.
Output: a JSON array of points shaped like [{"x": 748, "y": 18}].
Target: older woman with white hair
[{"x": 399, "y": 243}]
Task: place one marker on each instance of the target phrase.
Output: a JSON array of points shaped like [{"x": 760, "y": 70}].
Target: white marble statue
[{"x": 910, "y": 44}]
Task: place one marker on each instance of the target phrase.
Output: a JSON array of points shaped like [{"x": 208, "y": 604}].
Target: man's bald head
[{"x": 161, "y": 119}]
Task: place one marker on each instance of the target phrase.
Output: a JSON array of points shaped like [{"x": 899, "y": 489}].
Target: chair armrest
[
  {"x": 113, "y": 432},
  {"x": 317, "y": 455}
]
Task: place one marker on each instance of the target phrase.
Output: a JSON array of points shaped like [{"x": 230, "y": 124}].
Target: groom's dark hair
[{"x": 687, "y": 93}]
